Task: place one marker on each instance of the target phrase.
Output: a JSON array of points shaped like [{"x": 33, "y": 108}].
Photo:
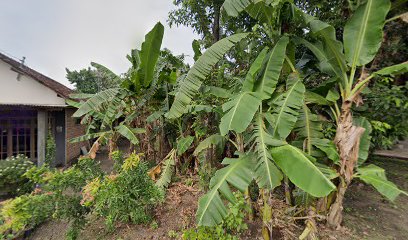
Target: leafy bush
[
  {"x": 126, "y": 196},
  {"x": 12, "y": 179},
  {"x": 57, "y": 198},
  {"x": 24, "y": 212},
  {"x": 65, "y": 185},
  {"x": 387, "y": 109},
  {"x": 229, "y": 229}
]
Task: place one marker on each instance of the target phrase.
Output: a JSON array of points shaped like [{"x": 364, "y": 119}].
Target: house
[{"x": 31, "y": 107}]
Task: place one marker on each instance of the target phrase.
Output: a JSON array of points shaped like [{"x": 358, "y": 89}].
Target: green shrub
[
  {"x": 229, "y": 229},
  {"x": 57, "y": 198},
  {"x": 24, "y": 212},
  {"x": 50, "y": 149},
  {"x": 386, "y": 106},
  {"x": 127, "y": 196},
  {"x": 12, "y": 179}
]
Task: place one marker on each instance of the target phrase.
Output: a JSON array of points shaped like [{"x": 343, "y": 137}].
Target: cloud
[{"x": 54, "y": 35}]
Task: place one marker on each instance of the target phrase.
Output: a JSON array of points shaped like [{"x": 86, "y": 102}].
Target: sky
[{"x": 58, "y": 34}]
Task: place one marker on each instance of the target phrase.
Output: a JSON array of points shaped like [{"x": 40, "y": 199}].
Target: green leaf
[
  {"x": 267, "y": 174},
  {"x": 394, "y": 70},
  {"x": 113, "y": 109},
  {"x": 189, "y": 87},
  {"x": 286, "y": 107},
  {"x": 325, "y": 62},
  {"x": 375, "y": 176},
  {"x": 81, "y": 95},
  {"x": 328, "y": 147},
  {"x": 308, "y": 127},
  {"x": 87, "y": 137},
  {"x": 73, "y": 103},
  {"x": 330, "y": 51},
  {"x": 149, "y": 55},
  {"x": 167, "y": 173},
  {"x": 301, "y": 171},
  {"x": 95, "y": 102},
  {"x": 333, "y": 95},
  {"x": 238, "y": 173},
  {"x": 106, "y": 72},
  {"x": 365, "y": 140},
  {"x": 217, "y": 91},
  {"x": 183, "y": 144},
  {"x": 199, "y": 108},
  {"x": 249, "y": 81},
  {"x": 267, "y": 83},
  {"x": 363, "y": 32},
  {"x": 154, "y": 116},
  {"x": 213, "y": 140},
  {"x": 239, "y": 112},
  {"x": 311, "y": 97},
  {"x": 234, "y": 7},
  {"x": 197, "y": 49},
  {"x": 329, "y": 172},
  {"x": 129, "y": 133}
]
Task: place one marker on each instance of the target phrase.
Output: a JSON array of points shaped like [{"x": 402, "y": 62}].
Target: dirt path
[
  {"x": 371, "y": 216},
  {"x": 399, "y": 151}
]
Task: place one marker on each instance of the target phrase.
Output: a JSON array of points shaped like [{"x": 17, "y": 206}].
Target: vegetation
[
  {"x": 275, "y": 107},
  {"x": 12, "y": 180},
  {"x": 126, "y": 196},
  {"x": 230, "y": 228},
  {"x": 92, "y": 80},
  {"x": 50, "y": 149}
]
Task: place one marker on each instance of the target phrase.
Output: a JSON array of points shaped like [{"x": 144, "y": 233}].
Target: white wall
[{"x": 26, "y": 91}]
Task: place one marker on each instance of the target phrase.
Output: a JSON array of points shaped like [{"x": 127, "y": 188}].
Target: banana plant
[
  {"x": 266, "y": 109},
  {"x": 345, "y": 61},
  {"x": 110, "y": 113}
]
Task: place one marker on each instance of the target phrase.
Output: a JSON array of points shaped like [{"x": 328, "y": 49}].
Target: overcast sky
[{"x": 55, "y": 34}]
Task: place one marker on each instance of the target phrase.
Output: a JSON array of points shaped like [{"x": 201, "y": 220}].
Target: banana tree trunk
[
  {"x": 267, "y": 215},
  {"x": 347, "y": 141},
  {"x": 112, "y": 145}
]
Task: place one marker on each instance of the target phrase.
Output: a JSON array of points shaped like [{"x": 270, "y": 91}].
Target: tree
[
  {"x": 205, "y": 17},
  {"x": 112, "y": 113},
  {"x": 84, "y": 80},
  {"x": 91, "y": 80},
  {"x": 361, "y": 43}
]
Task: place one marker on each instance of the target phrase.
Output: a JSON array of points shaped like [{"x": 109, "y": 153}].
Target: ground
[
  {"x": 367, "y": 214},
  {"x": 399, "y": 151}
]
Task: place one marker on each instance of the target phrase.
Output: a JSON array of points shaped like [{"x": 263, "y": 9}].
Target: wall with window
[{"x": 18, "y": 133}]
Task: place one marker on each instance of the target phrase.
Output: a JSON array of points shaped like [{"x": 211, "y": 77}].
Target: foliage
[
  {"x": 50, "y": 149},
  {"x": 167, "y": 170},
  {"x": 127, "y": 196},
  {"x": 230, "y": 228},
  {"x": 12, "y": 180},
  {"x": 91, "y": 80},
  {"x": 53, "y": 199},
  {"x": 268, "y": 112},
  {"x": 386, "y": 106},
  {"x": 25, "y": 212},
  {"x": 198, "y": 73},
  {"x": 375, "y": 176},
  {"x": 113, "y": 113}
]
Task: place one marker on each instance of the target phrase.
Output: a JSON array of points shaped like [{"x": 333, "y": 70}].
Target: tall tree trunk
[
  {"x": 347, "y": 141},
  {"x": 216, "y": 23}
]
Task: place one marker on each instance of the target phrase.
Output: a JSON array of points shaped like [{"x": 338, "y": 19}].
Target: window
[{"x": 3, "y": 139}]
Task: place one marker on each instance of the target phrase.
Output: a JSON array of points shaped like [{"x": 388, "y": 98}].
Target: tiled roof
[{"x": 59, "y": 88}]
